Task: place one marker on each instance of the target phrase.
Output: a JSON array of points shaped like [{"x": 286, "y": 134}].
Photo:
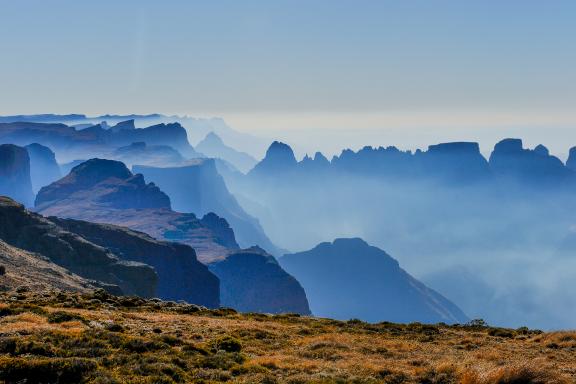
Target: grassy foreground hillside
[{"x": 98, "y": 338}]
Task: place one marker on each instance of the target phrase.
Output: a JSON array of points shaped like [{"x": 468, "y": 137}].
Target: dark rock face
[
  {"x": 15, "y": 179},
  {"x": 351, "y": 279},
  {"x": 213, "y": 146},
  {"x": 116, "y": 186},
  {"x": 253, "y": 281},
  {"x": 43, "y": 166},
  {"x": 105, "y": 191},
  {"x": 510, "y": 160},
  {"x": 34, "y": 233},
  {"x": 180, "y": 275},
  {"x": 279, "y": 158},
  {"x": 199, "y": 188}
]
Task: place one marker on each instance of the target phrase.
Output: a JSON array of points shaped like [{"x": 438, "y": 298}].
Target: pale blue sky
[{"x": 237, "y": 59}]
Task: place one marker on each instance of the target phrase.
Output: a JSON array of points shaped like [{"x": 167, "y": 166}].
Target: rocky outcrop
[
  {"x": 32, "y": 232},
  {"x": 180, "y": 275},
  {"x": 105, "y": 191},
  {"x": 43, "y": 166},
  {"x": 144, "y": 154},
  {"x": 351, "y": 279},
  {"x": 457, "y": 162},
  {"x": 253, "y": 281},
  {"x": 279, "y": 158},
  {"x": 109, "y": 183},
  {"x": 213, "y": 146},
  {"x": 536, "y": 167},
  {"x": 199, "y": 188},
  {"x": 15, "y": 179}
]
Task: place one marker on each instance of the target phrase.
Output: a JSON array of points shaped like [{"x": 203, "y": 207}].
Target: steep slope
[
  {"x": 199, "y": 188},
  {"x": 43, "y": 166},
  {"x": 350, "y": 279},
  {"x": 213, "y": 146},
  {"x": 180, "y": 275},
  {"x": 36, "y": 273},
  {"x": 34, "y": 233},
  {"x": 253, "y": 281},
  {"x": 15, "y": 179},
  {"x": 105, "y": 191}
]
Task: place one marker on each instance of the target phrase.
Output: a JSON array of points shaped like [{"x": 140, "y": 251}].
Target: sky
[{"x": 319, "y": 73}]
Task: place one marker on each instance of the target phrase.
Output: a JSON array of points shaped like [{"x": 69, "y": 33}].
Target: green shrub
[
  {"x": 227, "y": 344},
  {"x": 62, "y": 317}
]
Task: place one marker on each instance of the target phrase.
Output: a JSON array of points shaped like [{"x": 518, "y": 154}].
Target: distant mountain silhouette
[
  {"x": 198, "y": 188},
  {"x": 537, "y": 167},
  {"x": 71, "y": 143},
  {"x": 15, "y": 180},
  {"x": 253, "y": 281},
  {"x": 279, "y": 159},
  {"x": 451, "y": 163},
  {"x": 43, "y": 166},
  {"x": 350, "y": 279},
  {"x": 197, "y": 128},
  {"x": 213, "y": 146},
  {"x": 144, "y": 154},
  {"x": 34, "y": 233}
]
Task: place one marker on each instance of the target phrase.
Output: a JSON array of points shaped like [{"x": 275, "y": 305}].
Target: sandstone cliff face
[
  {"x": 43, "y": 166},
  {"x": 350, "y": 279},
  {"x": 32, "y": 232},
  {"x": 253, "y": 281},
  {"x": 15, "y": 179},
  {"x": 105, "y": 191},
  {"x": 180, "y": 275}
]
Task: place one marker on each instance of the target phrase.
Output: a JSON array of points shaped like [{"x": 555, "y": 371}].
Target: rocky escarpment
[
  {"x": 15, "y": 179},
  {"x": 43, "y": 166},
  {"x": 180, "y": 275},
  {"x": 253, "y": 281},
  {"x": 107, "y": 182},
  {"x": 105, "y": 191},
  {"x": 351, "y": 279},
  {"x": 32, "y": 232},
  {"x": 199, "y": 188}
]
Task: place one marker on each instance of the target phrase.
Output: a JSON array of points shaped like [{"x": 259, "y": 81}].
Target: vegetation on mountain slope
[{"x": 94, "y": 337}]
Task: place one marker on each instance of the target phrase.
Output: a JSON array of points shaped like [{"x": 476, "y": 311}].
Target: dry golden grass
[{"x": 150, "y": 343}]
